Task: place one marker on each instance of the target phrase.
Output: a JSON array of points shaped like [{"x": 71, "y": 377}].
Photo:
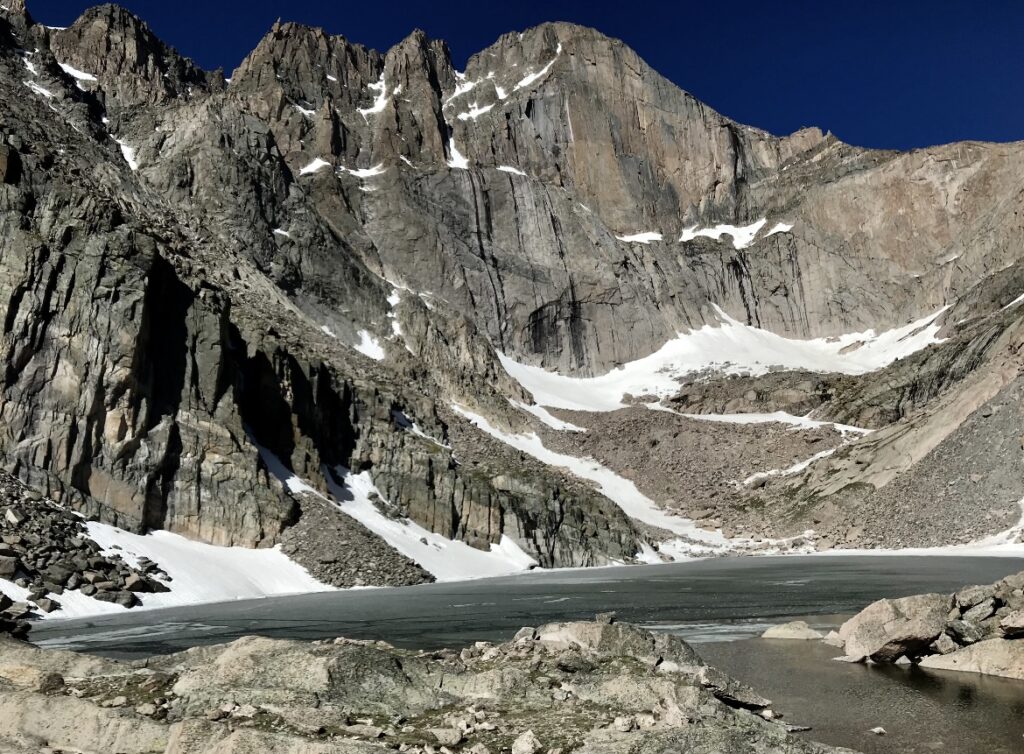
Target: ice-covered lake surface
[{"x": 705, "y": 600}]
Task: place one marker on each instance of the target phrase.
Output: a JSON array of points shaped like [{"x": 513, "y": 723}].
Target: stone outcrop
[
  {"x": 976, "y": 630},
  {"x": 991, "y": 656},
  {"x": 575, "y": 687},
  {"x": 888, "y": 629}
]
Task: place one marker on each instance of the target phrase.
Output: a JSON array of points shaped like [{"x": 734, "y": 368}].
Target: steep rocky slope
[{"x": 224, "y": 298}]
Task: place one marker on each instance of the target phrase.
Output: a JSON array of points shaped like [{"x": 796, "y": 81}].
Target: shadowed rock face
[{"x": 186, "y": 264}]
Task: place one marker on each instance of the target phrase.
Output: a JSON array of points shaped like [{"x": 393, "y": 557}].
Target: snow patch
[
  {"x": 690, "y": 540},
  {"x": 779, "y": 228},
  {"x": 377, "y": 169},
  {"x": 380, "y": 102},
  {"x": 199, "y": 572},
  {"x": 1007, "y": 543},
  {"x": 742, "y": 236},
  {"x": 446, "y": 559},
  {"x": 547, "y": 418},
  {"x": 128, "y": 153},
  {"x": 1013, "y": 303},
  {"x": 457, "y": 160},
  {"x": 794, "y": 469},
  {"x": 282, "y": 232},
  {"x": 474, "y": 112},
  {"x": 328, "y": 331},
  {"x": 641, "y": 237},
  {"x": 781, "y": 417},
  {"x": 41, "y": 90},
  {"x": 314, "y": 166},
  {"x": 510, "y": 169},
  {"x": 28, "y": 63},
  {"x": 532, "y": 78},
  {"x": 462, "y": 87},
  {"x": 75, "y": 73},
  {"x": 732, "y": 348},
  {"x": 368, "y": 345},
  {"x": 305, "y": 111},
  {"x": 616, "y": 488}
]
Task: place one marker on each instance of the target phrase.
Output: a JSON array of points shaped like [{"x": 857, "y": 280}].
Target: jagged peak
[{"x": 131, "y": 62}]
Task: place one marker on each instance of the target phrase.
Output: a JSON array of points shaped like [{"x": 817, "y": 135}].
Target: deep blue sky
[{"x": 899, "y": 73}]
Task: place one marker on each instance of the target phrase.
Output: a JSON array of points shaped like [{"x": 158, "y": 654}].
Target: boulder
[
  {"x": 888, "y": 629},
  {"x": 944, "y": 645},
  {"x": 964, "y": 632},
  {"x": 527, "y": 743},
  {"x": 47, "y": 605},
  {"x": 1012, "y": 624},
  {"x": 980, "y": 611},
  {"x": 1000, "y": 657},
  {"x": 124, "y": 599},
  {"x": 447, "y": 736},
  {"x": 136, "y": 583},
  {"x": 796, "y": 630},
  {"x": 970, "y": 596},
  {"x": 8, "y": 566}
]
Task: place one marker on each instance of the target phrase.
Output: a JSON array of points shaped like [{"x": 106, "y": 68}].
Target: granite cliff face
[{"x": 304, "y": 266}]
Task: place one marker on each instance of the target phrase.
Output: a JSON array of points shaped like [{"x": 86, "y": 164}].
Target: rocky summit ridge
[{"x": 226, "y": 299}]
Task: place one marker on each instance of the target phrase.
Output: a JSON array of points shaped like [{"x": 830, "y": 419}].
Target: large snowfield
[{"x": 730, "y": 347}]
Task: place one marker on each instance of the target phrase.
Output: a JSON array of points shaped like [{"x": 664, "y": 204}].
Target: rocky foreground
[
  {"x": 978, "y": 629},
  {"x": 597, "y": 687}
]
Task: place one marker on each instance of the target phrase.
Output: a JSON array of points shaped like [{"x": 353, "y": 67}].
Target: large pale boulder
[
  {"x": 993, "y": 657},
  {"x": 887, "y": 629},
  {"x": 796, "y": 630}
]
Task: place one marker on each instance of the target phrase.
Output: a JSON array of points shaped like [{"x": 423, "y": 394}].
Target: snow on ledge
[
  {"x": 474, "y": 112},
  {"x": 641, "y": 237},
  {"x": 317, "y": 164},
  {"x": 794, "y": 469},
  {"x": 510, "y": 169},
  {"x": 779, "y": 228},
  {"x": 532, "y": 78},
  {"x": 1018, "y": 300},
  {"x": 75, "y": 73},
  {"x": 730, "y": 348},
  {"x": 377, "y": 169},
  {"x": 742, "y": 236},
  {"x": 40, "y": 90}
]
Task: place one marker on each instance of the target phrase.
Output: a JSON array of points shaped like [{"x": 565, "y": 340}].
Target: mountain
[{"x": 341, "y": 281}]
